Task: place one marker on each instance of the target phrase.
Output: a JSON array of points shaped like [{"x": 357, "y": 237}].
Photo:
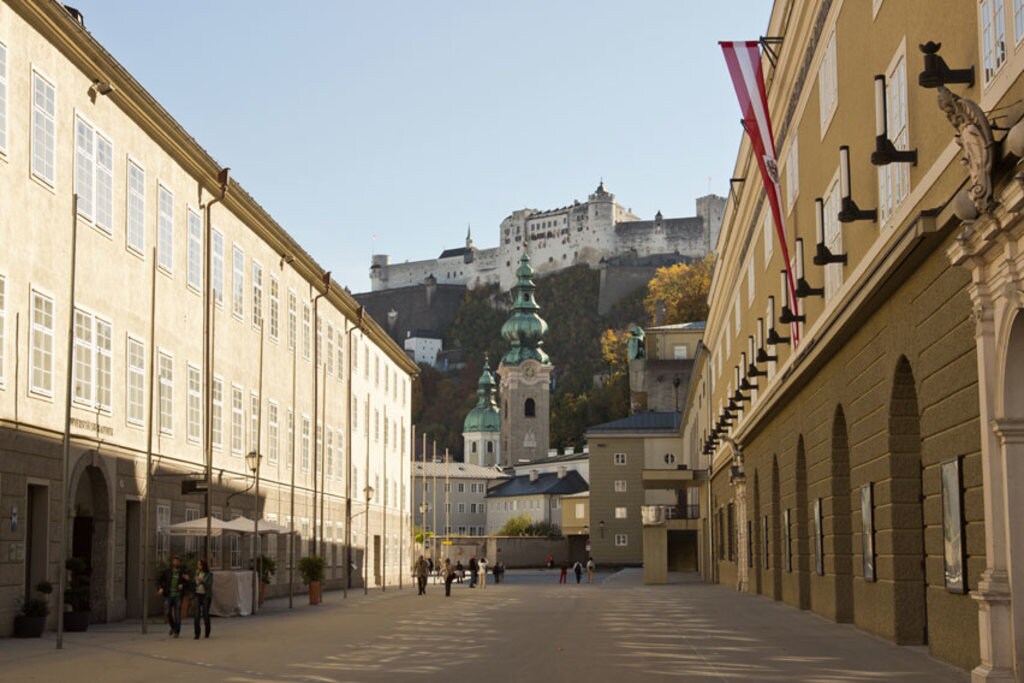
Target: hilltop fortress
[{"x": 592, "y": 232}]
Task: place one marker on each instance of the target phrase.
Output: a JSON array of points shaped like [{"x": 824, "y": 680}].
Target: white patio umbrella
[
  {"x": 197, "y": 527},
  {"x": 245, "y": 525}
]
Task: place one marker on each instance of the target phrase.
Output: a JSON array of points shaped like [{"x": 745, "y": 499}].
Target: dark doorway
[
  {"x": 377, "y": 577},
  {"x": 133, "y": 589},
  {"x": 37, "y": 520}
]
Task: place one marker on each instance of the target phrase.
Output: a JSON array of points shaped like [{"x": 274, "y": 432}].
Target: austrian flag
[{"x": 744, "y": 61}]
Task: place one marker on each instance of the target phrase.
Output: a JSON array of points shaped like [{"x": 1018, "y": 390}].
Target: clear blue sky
[{"x": 409, "y": 120}]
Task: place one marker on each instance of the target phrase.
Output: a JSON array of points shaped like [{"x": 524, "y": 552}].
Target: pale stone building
[
  {"x": 182, "y": 285},
  {"x": 536, "y": 495},
  {"x": 450, "y": 498}
]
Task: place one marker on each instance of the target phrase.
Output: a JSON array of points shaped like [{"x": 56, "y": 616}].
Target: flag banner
[{"x": 744, "y": 61}]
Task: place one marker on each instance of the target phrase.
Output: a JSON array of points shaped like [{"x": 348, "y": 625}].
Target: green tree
[{"x": 515, "y": 526}]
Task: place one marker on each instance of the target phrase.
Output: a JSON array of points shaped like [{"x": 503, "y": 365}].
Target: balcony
[
  {"x": 679, "y": 478},
  {"x": 657, "y": 515}
]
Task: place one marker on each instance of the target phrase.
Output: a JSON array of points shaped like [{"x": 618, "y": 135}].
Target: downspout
[
  {"x": 317, "y": 453},
  {"x": 348, "y": 444}
]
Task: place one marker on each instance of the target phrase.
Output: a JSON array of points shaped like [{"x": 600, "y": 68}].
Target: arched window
[{"x": 530, "y": 408}]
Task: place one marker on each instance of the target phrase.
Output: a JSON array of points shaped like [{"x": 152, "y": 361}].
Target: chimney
[
  {"x": 533, "y": 475},
  {"x": 562, "y": 472}
]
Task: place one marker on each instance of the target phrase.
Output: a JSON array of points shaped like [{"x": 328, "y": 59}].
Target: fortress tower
[{"x": 525, "y": 373}]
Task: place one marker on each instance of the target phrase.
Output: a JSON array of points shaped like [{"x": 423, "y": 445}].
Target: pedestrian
[
  {"x": 449, "y": 576},
  {"x": 590, "y": 570},
  {"x": 550, "y": 562},
  {"x": 577, "y": 569},
  {"x": 460, "y": 571},
  {"x": 473, "y": 566},
  {"x": 422, "y": 570},
  {"x": 499, "y": 571},
  {"x": 564, "y": 573},
  {"x": 483, "y": 572},
  {"x": 203, "y": 597},
  {"x": 172, "y": 586}
]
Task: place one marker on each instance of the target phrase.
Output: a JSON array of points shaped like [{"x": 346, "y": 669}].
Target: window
[
  {"x": 680, "y": 352},
  {"x": 828, "y": 84},
  {"x": 44, "y": 129},
  {"x": 274, "y": 303},
  {"x": 670, "y": 458},
  {"x": 136, "y": 214},
  {"x": 736, "y": 315},
  {"x": 236, "y": 549},
  {"x": 94, "y": 176},
  {"x": 163, "y": 536},
  {"x": 291, "y": 439},
  {"x": 620, "y": 459},
  {"x": 165, "y": 228},
  {"x": 272, "y": 432},
  {"x": 93, "y": 361},
  {"x": 191, "y": 514},
  {"x": 620, "y": 513},
  {"x": 217, "y": 414},
  {"x": 621, "y": 540},
  {"x": 306, "y": 330},
  {"x": 731, "y": 531},
  {"x": 166, "y": 367},
  {"x": 340, "y": 453},
  {"x": 341, "y": 357},
  {"x": 769, "y": 240},
  {"x": 236, "y": 419},
  {"x": 237, "y": 282},
  {"x": 834, "y": 238},
  {"x": 462, "y": 507},
  {"x": 792, "y": 174},
  {"x": 1018, "y": 25},
  {"x": 305, "y": 443},
  {"x": 292, "y": 306},
  {"x": 329, "y": 454},
  {"x": 217, "y": 267},
  {"x": 894, "y": 179},
  {"x": 580, "y": 510},
  {"x": 195, "y": 251},
  {"x": 254, "y": 423},
  {"x": 319, "y": 353},
  {"x": 136, "y": 388},
  {"x": 195, "y": 406},
  {"x": 257, "y": 294},
  {"x": 993, "y": 37},
  {"x": 621, "y": 486},
  {"x": 330, "y": 349},
  {"x": 530, "y": 408},
  {"x": 3, "y": 97},
  {"x": 319, "y": 443}
]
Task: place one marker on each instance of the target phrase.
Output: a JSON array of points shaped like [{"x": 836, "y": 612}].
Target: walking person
[
  {"x": 550, "y": 562},
  {"x": 422, "y": 571},
  {"x": 460, "y": 572},
  {"x": 203, "y": 597},
  {"x": 172, "y": 585},
  {"x": 473, "y": 567},
  {"x": 590, "y": 570},
  {"x": 449, "y": 576},
  {"x": 577, "y": 569},
  {"x": 564, "y": 572},
  {"x": 483, "y": 572}
]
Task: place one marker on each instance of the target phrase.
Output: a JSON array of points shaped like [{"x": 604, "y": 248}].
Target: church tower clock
[{"x": 525, "y": 373}]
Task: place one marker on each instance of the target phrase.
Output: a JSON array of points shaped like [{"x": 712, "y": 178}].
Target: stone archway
[
  {"x": 801, "y": 535},
  {"x": 842, "y": 523},
  {"x": 910, "y": 608},
  {"x": 755, "y": 529},
  {"x": 775, "y": 522},
  {"x": 91, "y": 535}
]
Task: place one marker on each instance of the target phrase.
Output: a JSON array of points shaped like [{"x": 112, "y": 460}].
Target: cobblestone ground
[{"x": 527, "y": 629}]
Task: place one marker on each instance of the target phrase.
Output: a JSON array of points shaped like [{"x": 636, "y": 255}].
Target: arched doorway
[
  {"x": 910, "y": 609},
  {"x": 775, "y": 522},
  {"x": 802, "y": 537},
  {"x": 842, "y": 525},
  {"x": 755, "y": 531},
  {"x": 91, "y": 535}
]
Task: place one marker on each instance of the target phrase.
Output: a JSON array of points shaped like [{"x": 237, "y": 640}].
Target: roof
[
  {"x": 561, "y": 457},
  {"x": 456, "y": 470},
  {"x": 696, "y": 325},
  {"x": 450, "y": 253},
  {"x": 423, "y": 334},
  {"x": 547, "y": 484},
  {"x": 641, "y": 422}
]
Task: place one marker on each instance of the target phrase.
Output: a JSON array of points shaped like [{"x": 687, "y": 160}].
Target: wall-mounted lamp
[
  {"x": 885, "y": 151},
  {"x": 803, "y": 289},
  {"x": 752, "y": 370},
  {"x": 937, "y": 73},
  {"x": 745, "y": 382},
  {"x": 822, "y": 255},
  {"x": 849, "y": 211},
  {"x": 773, "y": 336},
  {"x": 739, "y": 395},
  {"x": 788, "y": 316},
  {"x": 762, "y": 353}
]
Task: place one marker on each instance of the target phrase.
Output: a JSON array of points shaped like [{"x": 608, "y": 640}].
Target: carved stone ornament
[{"x": 974, "y": 135}]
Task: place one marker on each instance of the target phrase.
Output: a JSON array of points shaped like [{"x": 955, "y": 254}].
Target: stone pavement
[{"x": 529, "y": 628}]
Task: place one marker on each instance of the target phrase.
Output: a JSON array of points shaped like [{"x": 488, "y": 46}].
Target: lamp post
[
  {"x": 252, "y": 462},
  {"x": 366, "y": 537}
]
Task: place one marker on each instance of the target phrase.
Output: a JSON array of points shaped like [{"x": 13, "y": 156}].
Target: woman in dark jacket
[{"x": 204, "y": 595}]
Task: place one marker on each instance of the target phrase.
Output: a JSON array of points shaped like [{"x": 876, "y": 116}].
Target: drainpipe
[
  {"x": 223, "y": 177},
  {"x": 316, "y": 389},
  {"x": 348, "y": 444}
]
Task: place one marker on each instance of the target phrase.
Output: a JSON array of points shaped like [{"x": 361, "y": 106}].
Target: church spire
[{"x": 525, "y": 329}]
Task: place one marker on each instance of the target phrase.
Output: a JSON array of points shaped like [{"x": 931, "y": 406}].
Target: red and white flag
[{"x": 744, "y": 61}]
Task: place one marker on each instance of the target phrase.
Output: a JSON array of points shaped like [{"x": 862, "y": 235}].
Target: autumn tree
[
  {"x": 613, "y": 348},
  {"x": 682, "y": 289}
]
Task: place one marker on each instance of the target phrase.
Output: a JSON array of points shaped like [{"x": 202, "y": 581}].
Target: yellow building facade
[{"x": 866, "y": 473}]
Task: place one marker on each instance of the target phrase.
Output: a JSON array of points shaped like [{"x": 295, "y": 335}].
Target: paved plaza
[{"x": 527, "y": 629}]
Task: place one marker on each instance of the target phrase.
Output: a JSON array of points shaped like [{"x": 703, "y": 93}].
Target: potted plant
[
  {"x": 31, "y": 622},
  {"x": 76, "y": 595},
  {"x": 266, "y": 567},
  {"x": 311, "y": 569}
]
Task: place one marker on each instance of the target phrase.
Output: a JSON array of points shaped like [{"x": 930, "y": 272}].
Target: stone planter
[
  {"x": 29, "y": 627},
  {"x": 314, "y": 592}
]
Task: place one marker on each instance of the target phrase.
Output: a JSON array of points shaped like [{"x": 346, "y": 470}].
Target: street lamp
[
  {"x": 252, "y": 462},
  {"x": 366, "y": 537}
]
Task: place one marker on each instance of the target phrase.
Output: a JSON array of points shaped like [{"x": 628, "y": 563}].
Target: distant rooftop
[
  {"x": 641, "y": 422},
  {"x": 698, "y": 325},
  {"x": 546, "y": 484},
  {"x": 456, "y": 470}
]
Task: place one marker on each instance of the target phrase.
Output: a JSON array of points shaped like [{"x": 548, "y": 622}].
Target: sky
[{"x": 390, "y": 127}]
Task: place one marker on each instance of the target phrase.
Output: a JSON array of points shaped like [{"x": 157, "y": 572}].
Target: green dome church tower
[
  {"x": 525, "y": 373},
  {"x": 481, "y": 430}
]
